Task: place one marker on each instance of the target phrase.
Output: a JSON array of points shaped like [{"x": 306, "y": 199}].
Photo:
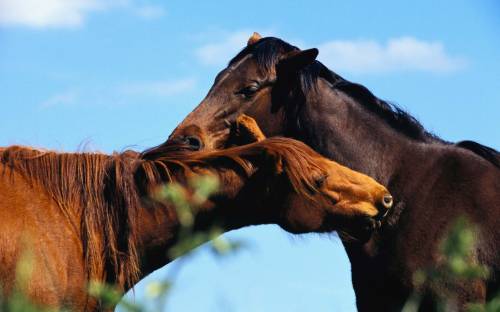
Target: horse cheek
[{"x": 301, "y": 215}]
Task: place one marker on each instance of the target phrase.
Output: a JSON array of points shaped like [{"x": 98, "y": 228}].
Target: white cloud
[
  {"x": 65, "y": 13},
  {"x": 226, "y": 47},
  {"x": 149, "y": 11},
  {"x": 119, "y": 94},
  {"x": 47, "y": 13},
  {"x": 398, "y": 54},
  {"x": 354, "y": 56},
  {"x": 65, "y": 98}
]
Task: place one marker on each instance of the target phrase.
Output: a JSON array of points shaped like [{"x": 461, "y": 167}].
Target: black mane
[
  {"x": 267, "y": 53},
  {"x": 391, "y": 113},
  {"x": 395, "y": 116}
]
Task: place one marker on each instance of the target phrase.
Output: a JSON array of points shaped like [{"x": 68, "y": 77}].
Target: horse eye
[{"x": 248, "y": 91}]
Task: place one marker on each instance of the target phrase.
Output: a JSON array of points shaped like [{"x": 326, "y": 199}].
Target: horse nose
[
  {"x": 384, "y": 205},
  {"x": 191, "y": 136},
  {"x": 194, "y": 142},
  {"x": 387, "y": 201}
]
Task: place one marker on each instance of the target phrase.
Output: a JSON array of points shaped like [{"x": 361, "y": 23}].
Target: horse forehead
[{"x": 229, "y": 70}]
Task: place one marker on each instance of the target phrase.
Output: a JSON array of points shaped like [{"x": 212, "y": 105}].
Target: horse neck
[
  {"x": 156, "y": 232},
  {"x": 233, "y": 207},
  {"x": 344, "y": 131}
]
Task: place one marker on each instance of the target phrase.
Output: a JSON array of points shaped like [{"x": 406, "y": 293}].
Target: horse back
[{"x": 468, "y": 185}]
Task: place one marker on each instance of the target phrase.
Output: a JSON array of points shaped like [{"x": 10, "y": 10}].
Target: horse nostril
[
  {"x": 194, "y": 142},
  {"x": 383, "y": 206},
  {"x": 387, "y": 201}
]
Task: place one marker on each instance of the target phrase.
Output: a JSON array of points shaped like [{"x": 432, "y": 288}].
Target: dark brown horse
[
  {"x": 90, "y": 216},
  {"x": 289, "y": 93}
]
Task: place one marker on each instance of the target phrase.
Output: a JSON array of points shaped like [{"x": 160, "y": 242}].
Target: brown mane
[
  {"x": 104, "y": 191},
  {"x": 100, "y": 190},
  {"x": 294, "y": 159}
]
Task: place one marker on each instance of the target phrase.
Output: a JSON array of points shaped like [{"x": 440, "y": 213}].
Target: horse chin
[{"x": 359, "y": 230}]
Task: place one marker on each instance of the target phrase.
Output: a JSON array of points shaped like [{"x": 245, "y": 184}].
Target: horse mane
[
  {"x": 107, "y": 190},
  {"x": 102, "y": 189},
  {"x": 285, "y": 156},
  {"x": 395, "y": 116},
  {"x": 267, "y": 53}
]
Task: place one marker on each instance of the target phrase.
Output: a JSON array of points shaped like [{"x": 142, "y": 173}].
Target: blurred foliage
[
  {"x": 187, "y": 201},
  {"x": 17, "y": 300},
  {"x": 456, "y": 265}
]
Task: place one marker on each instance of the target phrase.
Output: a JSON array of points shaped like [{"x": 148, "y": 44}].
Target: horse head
[{"x": 244, "y": 87}]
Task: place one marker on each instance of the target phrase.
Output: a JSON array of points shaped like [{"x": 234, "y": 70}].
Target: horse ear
[
  {"x": 296, "y": 60},
  {"x": 254, "y": 38}
]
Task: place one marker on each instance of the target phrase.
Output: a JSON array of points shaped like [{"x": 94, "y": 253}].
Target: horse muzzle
[
  {"x": 191, "y": 136},
  {"x": 383, "y": 206}
]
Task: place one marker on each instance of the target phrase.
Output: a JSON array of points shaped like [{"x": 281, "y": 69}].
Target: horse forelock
[
  {"x": 290, "y": 158},
  {"x": 299, "y": 163},
  {"x": 267, "y": 52}
]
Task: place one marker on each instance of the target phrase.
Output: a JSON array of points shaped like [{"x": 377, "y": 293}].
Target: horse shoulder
[{"x": 33, "y": 228}]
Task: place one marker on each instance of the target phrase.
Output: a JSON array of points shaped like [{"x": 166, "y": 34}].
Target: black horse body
[{"x": 433, "y": 182}]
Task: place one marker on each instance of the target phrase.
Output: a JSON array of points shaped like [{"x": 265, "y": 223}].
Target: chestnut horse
[
  {"x": 289, "y": 93},
  {"x": 90, "y": 216}
]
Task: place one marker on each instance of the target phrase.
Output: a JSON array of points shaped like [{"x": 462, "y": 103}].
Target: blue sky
[{"x": 116, "y": 74}]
